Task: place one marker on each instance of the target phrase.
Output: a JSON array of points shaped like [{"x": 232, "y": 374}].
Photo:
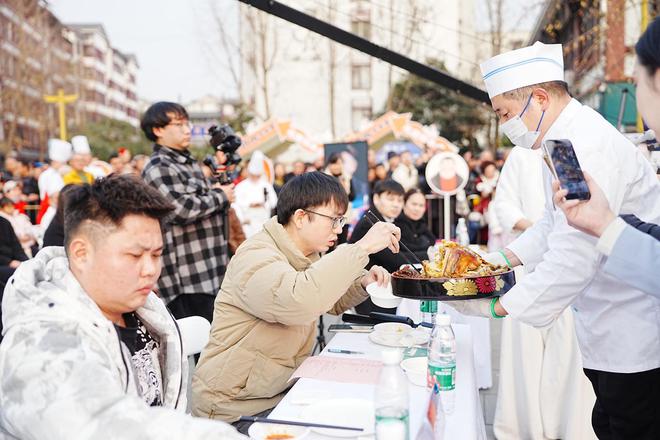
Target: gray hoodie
[{"x": 64, "y": 374}]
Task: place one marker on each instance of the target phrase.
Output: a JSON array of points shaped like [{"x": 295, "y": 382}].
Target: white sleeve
[{"x": 533, "y": 243}]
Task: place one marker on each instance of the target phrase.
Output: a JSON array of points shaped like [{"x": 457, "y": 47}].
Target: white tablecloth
[{"x": 466, "y": 422}]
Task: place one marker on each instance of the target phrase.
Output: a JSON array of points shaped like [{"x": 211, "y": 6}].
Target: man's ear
[
  {"x": 78, "y": 251},
  {"x": 158, "y": 131},
  {"x": 298, "y": 217},
  {"x": 543, "y": 97}
]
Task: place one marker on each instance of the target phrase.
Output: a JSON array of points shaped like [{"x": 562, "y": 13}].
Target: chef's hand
[
  {"x": 498, "y": 258},
  {"x": 376, "y": 274},
  {"x": 591, "y": 216},
  {"x": 380, "y": 236},
  {"x": 472, "y": 307}
]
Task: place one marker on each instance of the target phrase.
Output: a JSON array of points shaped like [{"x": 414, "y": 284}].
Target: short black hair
[
  {"x": 308, "y": 190},
  {"x": 554, "y": 88},
  {"x": 333, "y": 158},
  {"x": 389, "y": 186},
  {"x": 156, "y": 116},
  {"x": 392, "y": 154},
  {"x": 113, "y": 156},
  {"x": 648, "y": 47},
  {"x": 108, "y": 200},
  {"x": 411, "y": 192},
  {"x": 4, "y": 201}
]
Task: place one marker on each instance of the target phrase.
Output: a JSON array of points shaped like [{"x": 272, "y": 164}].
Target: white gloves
[
  {"x": 472, "y": 307},
  {"x": 495, "y": 258}
]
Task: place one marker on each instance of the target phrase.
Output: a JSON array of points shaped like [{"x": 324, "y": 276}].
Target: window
[
  {"x": 361, "y": 77},
  {"x": 361, "y": 28},
  {"x": 360, "y": 115}
]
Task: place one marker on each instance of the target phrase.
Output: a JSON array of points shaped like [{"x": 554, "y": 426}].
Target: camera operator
[{"x": 195, "y": 246}]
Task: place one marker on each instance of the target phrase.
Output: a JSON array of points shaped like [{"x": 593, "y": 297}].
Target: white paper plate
[
  {"x": 260, "y": 431},
  {"x": 354, "y": 413},
  {"x": 407, "y": 339},
  {"x": 382, "y": 296}
]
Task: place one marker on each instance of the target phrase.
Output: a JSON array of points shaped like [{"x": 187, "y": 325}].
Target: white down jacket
[{"x": 64, "y": 374}]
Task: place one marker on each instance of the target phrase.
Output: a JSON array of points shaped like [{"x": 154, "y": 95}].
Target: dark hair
[
  {"x": 554, "y": 88},
  {"x": 485, "y": 165},
  {"x": 157, "y": 116},
  {"x": 389, "y": 186},
  {"x": 4, "y": 201},
  {"x": 333, "y": 158},
  {"x": 392, "y": 154},
  {"x": 411, "y": 192},
  {"x": 61, "y": 201},
  {"x": 308, "y": 190},
  {"x": 648, "y": 47},
  {"x": 108, "y": 200},
  {"x": 113, "y": 156}
]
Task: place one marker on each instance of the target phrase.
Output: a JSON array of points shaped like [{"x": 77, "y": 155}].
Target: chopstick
[
  {"x": 294, "y": 423},
  {"x": 400, "y": 242}
]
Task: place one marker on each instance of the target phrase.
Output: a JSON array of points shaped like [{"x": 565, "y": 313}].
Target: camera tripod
[{"x": 320, "y": 336}]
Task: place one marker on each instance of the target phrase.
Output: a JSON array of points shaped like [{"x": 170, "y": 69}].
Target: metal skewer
[{"x": 400, "y": 242}]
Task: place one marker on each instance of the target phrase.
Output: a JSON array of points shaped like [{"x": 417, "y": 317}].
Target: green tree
[
  {"x": 107, "y": 136},
  {"x": 458, "y": 118}
]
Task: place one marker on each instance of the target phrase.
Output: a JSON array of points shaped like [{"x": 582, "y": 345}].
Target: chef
[
  {"x": 542, "y": 391},
  {"x": 617, "y": 326},
  {"x": 255, "y": 197}
]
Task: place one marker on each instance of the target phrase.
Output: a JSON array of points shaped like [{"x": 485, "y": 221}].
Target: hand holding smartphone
[{"x": 565, "y": 166}]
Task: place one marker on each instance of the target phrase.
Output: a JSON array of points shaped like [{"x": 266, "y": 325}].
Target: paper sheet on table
[{"x": 363, "y": 371}]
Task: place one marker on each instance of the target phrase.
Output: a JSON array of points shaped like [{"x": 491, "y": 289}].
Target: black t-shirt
[{"x": 144, "y": 356}]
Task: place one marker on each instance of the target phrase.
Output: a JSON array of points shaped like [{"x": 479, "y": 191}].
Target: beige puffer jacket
[{"x": 264, "y": 320}]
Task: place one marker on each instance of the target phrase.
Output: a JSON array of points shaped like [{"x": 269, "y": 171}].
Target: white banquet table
[{"x": 466, "y": 421}]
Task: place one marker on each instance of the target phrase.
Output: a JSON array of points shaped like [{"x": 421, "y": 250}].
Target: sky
[
  {"x": 170, "y": 38},
  {"x": 175, "y": 40}
]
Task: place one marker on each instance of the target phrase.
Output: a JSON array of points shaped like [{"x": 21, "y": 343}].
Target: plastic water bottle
[
  {"x": 462, "y": 236},
  {"x": 442, "y": 361},
  {"x": 392, "y": 399}
]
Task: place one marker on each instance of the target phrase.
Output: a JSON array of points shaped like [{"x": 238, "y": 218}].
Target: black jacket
[
  {"x": 384, "y": 258},
  {"x": 54, "y": 235},
  {"x": 648, "y": 228},
  {"x": 416, "y": 235},
  {"x": 10, "y": 247}
]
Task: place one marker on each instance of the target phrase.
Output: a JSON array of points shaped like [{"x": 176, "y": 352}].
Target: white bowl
[
  {"x": 261, "y": 431},
  {"x": 391, "y": 333},
  {"x": 415, "y": 369},
  {"x": 382, "y": 295}
]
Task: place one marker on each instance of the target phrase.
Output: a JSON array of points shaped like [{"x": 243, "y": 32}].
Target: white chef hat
[
  {"x": 80, "y": 145},
  {"x": 59, "y": 150},
  {"x": 523, "y": 67},
  {"x": 256, "y": 165}
]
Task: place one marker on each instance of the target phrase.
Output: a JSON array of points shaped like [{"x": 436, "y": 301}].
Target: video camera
[{"x": 224, "y": 139}]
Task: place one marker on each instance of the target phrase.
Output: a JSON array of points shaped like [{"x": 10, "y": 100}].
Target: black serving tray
[{"x": 453, "y": 289}]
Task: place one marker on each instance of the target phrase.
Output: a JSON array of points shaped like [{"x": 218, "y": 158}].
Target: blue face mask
[{"x": 517, "y": 132}]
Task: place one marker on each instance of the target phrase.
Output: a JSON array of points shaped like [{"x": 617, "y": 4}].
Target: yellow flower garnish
[{"x": 460, "y": 287}]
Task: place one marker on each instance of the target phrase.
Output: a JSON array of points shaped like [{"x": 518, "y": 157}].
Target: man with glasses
[
  {"x": 275, "y": 288},
  {"x": 195, "y": 252}
]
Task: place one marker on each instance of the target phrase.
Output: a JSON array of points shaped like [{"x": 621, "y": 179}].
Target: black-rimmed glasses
[{"x": 337, "y": 222}]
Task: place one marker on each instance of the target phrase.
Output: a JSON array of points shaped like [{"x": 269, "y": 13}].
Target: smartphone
[
  {"x": 566, "y": 168},
  {"x": 352, "y": 328}
]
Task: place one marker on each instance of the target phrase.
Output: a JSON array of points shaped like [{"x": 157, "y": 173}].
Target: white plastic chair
[{"x": 195, "y": 332}]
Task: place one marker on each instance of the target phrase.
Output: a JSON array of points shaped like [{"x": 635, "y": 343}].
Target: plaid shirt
[{"x": 195, "y": 250}]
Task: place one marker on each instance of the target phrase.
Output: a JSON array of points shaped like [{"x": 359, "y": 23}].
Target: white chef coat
[
  {"x": 248, "y": 192},
  {"x": 542, "y": 392},
  {"x": 50, "y": 182},
  {"x": 618, "y": 327}
]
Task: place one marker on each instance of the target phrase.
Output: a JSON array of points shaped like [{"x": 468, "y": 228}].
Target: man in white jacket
[
  {"x": 616, "y": 324},
  {"x": 89, "y": 350},
  {"x": 542, "y": 391}
]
